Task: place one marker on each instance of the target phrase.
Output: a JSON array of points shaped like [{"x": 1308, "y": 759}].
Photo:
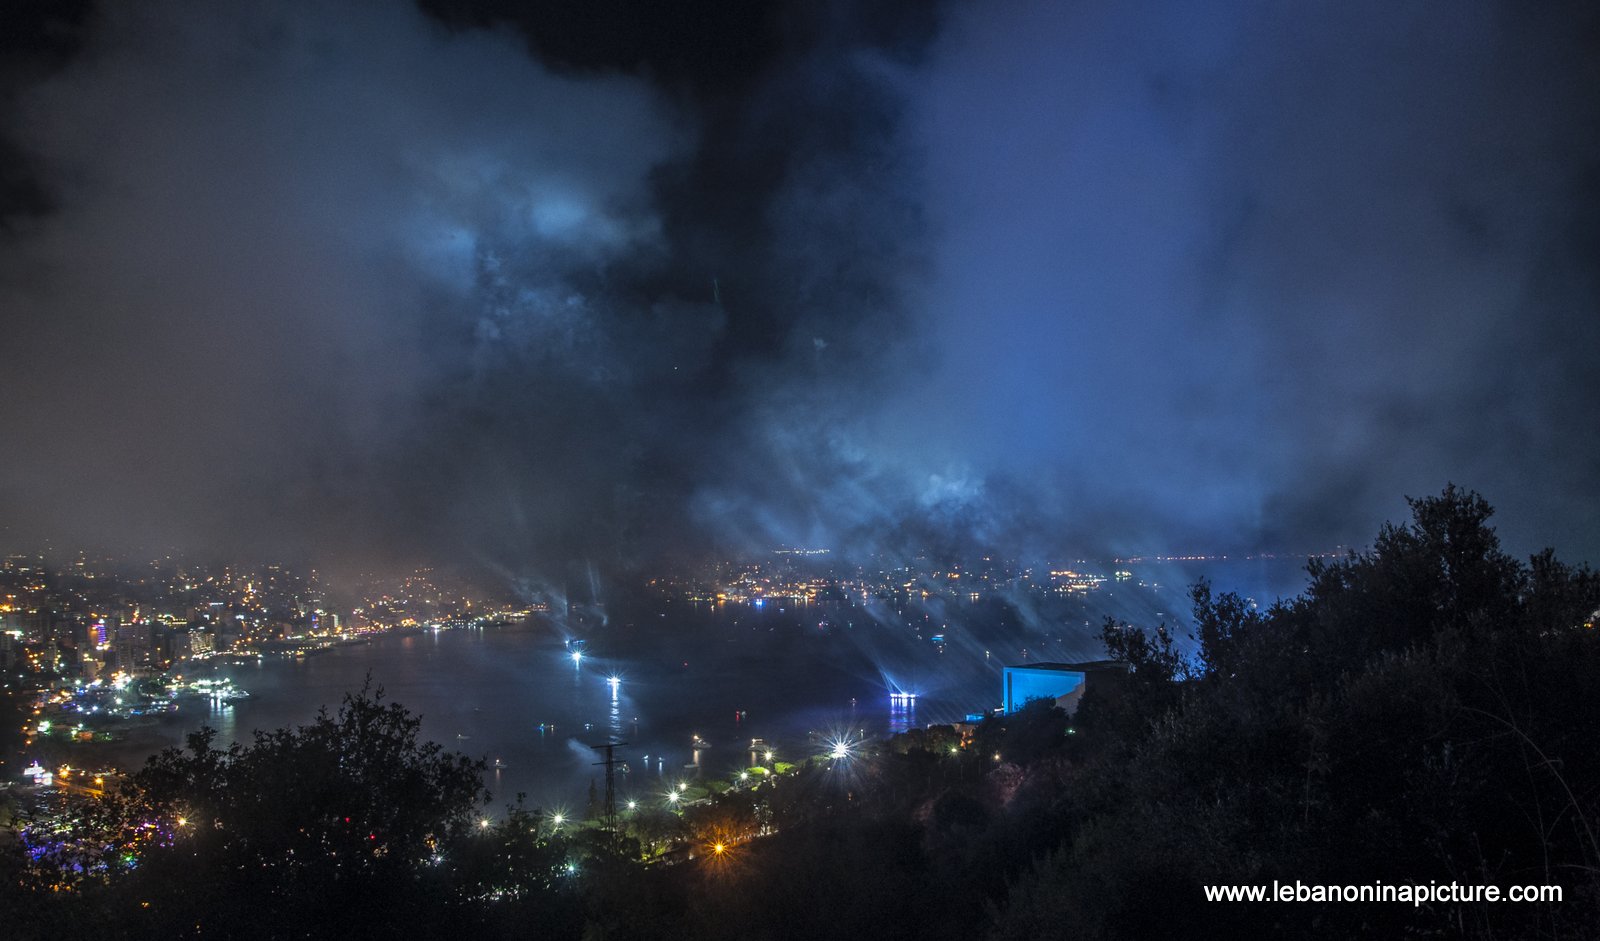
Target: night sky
[{"x": 523, "y": 283}]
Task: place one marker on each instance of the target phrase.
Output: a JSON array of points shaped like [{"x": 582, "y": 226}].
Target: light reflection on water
[
  {"x": 730, "y": 674},
  {"x": 510, "y": 694},
  {"x": 902, "y": 715}
]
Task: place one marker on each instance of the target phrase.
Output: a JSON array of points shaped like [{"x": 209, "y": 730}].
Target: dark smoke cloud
[
  {"x": 1215, "y": 278},
  {"x": 1247, "y": 274},
  {"x": 281, "y": 233},
  {"x": 497, "y": 284}
]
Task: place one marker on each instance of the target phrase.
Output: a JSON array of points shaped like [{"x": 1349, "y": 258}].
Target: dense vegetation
[{"x": 1423, "y": 711}]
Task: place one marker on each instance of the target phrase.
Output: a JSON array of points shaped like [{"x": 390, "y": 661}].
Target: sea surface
[{"x": 793, "y": 675}]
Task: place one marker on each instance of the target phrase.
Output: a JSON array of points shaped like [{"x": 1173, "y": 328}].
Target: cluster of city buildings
[
  {"x": 95, "y": 618},
  {"x": 810, "y": 575},
  {"x": 90, "y": 617}
]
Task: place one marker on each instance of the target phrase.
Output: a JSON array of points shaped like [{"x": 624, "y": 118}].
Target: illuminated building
[{"x": 1064, "y": 683}]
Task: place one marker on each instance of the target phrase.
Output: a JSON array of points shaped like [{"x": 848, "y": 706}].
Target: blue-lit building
[{"x": 1064, "y": 683}]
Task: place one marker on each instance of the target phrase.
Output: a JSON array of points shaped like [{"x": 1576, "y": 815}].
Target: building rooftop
[{"x": 1087, "y": 666}]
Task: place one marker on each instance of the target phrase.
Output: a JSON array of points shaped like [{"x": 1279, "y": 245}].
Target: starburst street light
[
  {"x": 840, "y": 748},
  {"x": 557, "y": 819},
  {"x": 577, "y": 658}
]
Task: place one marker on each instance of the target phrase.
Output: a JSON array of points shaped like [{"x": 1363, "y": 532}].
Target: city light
[
  {"x": 577, "y": 658},
  {"x": 558, "y": 819},
  {"x": 633, "y": 805}
]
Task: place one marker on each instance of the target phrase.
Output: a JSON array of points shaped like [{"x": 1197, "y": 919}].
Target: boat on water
[{"x": 217, "y": 690}]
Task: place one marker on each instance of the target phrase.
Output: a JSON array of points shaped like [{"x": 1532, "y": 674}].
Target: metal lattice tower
[{"x": 609, "y": 812}]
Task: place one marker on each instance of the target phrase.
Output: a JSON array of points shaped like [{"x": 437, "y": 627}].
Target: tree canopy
[
  {"x": 336, "y": 823},
  {"x": 1425, "y": 711}
]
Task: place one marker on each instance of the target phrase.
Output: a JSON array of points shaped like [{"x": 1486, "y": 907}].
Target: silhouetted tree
[
  {"x": 336, "y": 825},
  {"x": 1424, "y": 711}
]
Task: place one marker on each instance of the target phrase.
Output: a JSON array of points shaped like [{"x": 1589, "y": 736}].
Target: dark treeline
[{"x": 1425, "y": 711}]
